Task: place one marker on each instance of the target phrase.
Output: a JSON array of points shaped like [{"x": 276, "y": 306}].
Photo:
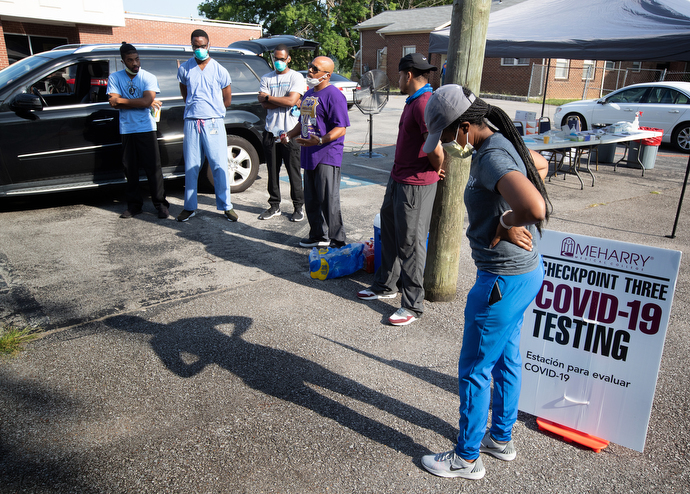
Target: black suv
[{"x": 58, "y": 132}]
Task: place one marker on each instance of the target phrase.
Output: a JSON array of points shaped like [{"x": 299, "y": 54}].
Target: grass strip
[{"x": 12, "y": 338}]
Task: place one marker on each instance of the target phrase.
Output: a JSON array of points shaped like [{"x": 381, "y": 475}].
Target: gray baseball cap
[{"x": 444, "y": 107}]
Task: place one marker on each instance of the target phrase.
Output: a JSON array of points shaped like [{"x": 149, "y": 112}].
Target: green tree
[{"x": 329, "y": 22}]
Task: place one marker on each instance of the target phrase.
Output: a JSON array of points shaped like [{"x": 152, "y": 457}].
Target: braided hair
[{"x": 478, "y": 113}]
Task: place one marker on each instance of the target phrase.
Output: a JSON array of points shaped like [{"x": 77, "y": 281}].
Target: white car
[
  {"x": 664, "y": 105},
  {"x": 346, "y": 86}
]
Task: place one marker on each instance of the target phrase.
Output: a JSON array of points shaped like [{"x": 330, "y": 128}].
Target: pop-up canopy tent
[{"x": 586, "y": 30}]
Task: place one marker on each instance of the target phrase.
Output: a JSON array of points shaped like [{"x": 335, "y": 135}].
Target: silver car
[
  {"x": 664, "y": 105},
  {"x": 346, "y": 86}
]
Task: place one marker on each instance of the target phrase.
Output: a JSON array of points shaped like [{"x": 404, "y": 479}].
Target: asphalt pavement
[{"x": 201, "y": 357}]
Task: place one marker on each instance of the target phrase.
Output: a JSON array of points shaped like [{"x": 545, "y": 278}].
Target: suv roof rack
[{"x": 79, "y": 48}]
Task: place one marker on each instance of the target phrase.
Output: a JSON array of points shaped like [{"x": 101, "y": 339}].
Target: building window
[
  {"x": 406, "y": 50},
  {"x": 514, "y": 61},
  {"x": 21, "y": 45},
  {"x": 636, "y": 66},
  {"x": 381, "y": 58},
  {"x": 608, "y": 65},
  {"x": 587, "y": 69},
  {"x": 562, "y": 66}
]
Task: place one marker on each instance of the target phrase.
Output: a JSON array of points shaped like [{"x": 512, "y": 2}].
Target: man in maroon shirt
[{"x": 409, "y": 199}]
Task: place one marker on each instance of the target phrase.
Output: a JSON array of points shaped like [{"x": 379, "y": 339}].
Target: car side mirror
[{"x": 26, "y": 102}]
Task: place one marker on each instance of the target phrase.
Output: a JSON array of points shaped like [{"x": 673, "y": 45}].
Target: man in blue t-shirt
[
  {"x": 205, "y": 88},
  {"x": 133, "y": 92},
  {"x": 321, "y": 133}
]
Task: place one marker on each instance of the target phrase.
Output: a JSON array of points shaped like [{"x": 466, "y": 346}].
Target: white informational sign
[{"x": 592, "y": 339}]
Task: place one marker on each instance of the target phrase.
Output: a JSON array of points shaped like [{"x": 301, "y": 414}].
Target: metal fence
[{"x": 590, "y": 82}]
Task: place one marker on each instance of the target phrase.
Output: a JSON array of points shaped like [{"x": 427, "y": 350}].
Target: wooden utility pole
[{"x": 469, "y": 23}]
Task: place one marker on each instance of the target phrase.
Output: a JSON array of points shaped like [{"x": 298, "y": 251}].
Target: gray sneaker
[
  {"x": 270, "y": 213},
  {"x": 502, "y": 451},
  {"x": 449, "y": 464}
]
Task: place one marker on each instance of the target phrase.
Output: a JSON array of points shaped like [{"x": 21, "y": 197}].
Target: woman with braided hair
[{"x": 506, "y": 206}]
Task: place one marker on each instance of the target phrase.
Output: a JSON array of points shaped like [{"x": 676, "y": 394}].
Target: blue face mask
[
  {"x": 280, "y": 65},
  {"x": 201, "y": 54}
]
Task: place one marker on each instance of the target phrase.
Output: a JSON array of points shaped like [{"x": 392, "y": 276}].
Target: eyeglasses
[
  {"x": 313, "y": 68},
  {"x": 280, "y": 59}
]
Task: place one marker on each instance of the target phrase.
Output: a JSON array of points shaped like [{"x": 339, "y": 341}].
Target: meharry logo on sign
[
  {"x": 605, "y": 256},
  {"x": 568, "y": 247}
]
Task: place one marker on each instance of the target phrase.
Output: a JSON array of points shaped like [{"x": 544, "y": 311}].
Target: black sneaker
[
  {"x": 270, "y": 213},
  {"x": 163, "y": 212},
  {"x": 308, "y": 242},
  {"x": 298, "y": 215},
  {"x": 185, "y": 215},
  {"x": 337, "y": 244},
  {"x": 130, "y": 213},
  {"x": 231, "y": 215}
]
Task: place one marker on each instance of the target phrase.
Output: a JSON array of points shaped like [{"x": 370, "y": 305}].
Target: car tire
[
  {"x": 680, "y": 138},
  {"x": 583, "y": 122},
  {"x": 243, "y": 165}
]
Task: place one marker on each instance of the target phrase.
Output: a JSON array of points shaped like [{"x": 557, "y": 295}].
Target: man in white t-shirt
[{"x": 280, "y": 93}]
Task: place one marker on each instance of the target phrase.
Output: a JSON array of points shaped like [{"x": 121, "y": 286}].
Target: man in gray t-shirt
[{"x": 280, "y": 93}]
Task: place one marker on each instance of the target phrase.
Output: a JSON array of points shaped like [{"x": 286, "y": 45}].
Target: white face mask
[
  {"x": 455, "y": 150},
  {"x": 311, "y": 82}
]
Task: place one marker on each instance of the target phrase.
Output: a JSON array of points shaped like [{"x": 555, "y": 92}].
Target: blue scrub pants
[
  {"x": 206, "y": 139},
  {"x": 491, "y": 347}
]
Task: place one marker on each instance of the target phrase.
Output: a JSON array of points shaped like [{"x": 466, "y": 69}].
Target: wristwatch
[
  {"x": 266, "y": 98},
  {"x": 320, "y": 141}
]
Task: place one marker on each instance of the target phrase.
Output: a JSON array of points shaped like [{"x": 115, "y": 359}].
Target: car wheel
[
  {"x": 243, "y": 165},
  {"x": 583, "y": 122},
  {"x": 680, "y": 137}
]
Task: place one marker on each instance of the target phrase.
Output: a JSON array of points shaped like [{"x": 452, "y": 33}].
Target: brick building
[
  {"x": 389, "y": 36},
  {"x": 31, "y": 26}
]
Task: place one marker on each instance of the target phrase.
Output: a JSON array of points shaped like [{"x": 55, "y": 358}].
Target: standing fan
[{"x": 370, "y": 99}]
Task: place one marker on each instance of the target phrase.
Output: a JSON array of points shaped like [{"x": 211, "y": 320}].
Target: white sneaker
[
  {"x": 449, "y": 464},
  {"x": 368, "y": 294},
  {"x": 402, "y": 317}
]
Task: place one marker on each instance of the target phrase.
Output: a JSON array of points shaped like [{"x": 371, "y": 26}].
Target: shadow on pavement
[{"x": 277, "y": 373}]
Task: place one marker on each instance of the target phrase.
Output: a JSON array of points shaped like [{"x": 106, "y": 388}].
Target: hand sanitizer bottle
[{"x": 636, "y": 122}]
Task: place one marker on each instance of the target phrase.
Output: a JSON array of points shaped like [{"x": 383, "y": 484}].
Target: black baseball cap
[{"x": 415, "y": 61}]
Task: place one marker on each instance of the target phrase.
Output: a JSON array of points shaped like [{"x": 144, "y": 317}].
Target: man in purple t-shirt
[
  {"x": 321, "y": 133},
  {"x": 409, "y": 199}
]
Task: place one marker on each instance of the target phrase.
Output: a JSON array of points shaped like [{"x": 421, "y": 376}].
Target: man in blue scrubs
[{"x": 205, "y": 88}]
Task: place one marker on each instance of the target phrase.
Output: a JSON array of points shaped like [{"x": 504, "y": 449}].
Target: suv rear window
[
  {"x": 165, "y": 71},
  {"x": 244, "y": 78}
]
